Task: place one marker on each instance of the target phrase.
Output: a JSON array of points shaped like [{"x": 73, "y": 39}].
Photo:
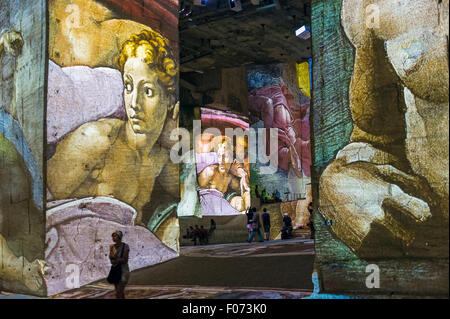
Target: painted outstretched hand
[{"x": 393, "y": 211}]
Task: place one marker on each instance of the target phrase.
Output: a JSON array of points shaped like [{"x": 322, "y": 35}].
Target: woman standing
[
  {"x": 249, "y": 214},
  {"x": 118, "y": 254}
]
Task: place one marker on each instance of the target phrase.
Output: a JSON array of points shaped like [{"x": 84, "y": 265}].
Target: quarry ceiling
[{"x": 214, "y": 36}]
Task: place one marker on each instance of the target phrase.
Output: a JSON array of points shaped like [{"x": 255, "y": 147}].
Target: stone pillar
[{"x": 67, "y": 176}]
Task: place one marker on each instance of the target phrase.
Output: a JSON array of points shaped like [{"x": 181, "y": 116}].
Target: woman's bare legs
[{"x": 120, "y": 290}]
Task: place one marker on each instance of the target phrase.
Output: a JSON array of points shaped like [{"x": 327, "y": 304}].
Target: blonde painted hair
[
  {"x": 154, "y": 50},
  {"x": 223, "y": 141}
]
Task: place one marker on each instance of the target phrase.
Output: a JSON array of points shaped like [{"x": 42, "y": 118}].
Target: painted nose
[{"x": 134, "y": 100}]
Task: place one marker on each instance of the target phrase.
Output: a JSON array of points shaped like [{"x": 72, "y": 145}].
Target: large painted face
[
  {"x": 146, "y": 103},
  {"x": 225, "y": 157}
]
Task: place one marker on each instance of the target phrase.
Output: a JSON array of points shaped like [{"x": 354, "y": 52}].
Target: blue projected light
[
  {"x": 235, "y": 5},
  {"x": 200, "y": 2}
]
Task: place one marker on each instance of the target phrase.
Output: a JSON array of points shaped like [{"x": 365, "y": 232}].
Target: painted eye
[
  {"x": 128, "y": 87},
  {"x": 149, "y": 92}
]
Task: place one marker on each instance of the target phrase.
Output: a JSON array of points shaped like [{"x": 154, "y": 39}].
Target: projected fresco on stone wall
[
  {"x": 222, "y": 164},
  {"x": 298, "y": 210},
  {"x": 112, "y": 103},
  {"x": 22, "y": 219},
  {"x": 383, "y": 173},
  {"x": 276, "y": 101},
  {"x": 189, "y": 204}
]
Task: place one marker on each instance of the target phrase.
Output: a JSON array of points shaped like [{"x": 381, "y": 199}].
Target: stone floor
[
  {"x": 275, "y": 269},
  {"x": 105, "y": 291}
]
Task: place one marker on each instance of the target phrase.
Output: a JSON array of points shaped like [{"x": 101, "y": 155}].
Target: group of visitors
[
  {"x": 254, "y": 224},
  {"x": 311, "y": 221},
  {"x": 199, "y": 234},
  {"x": 119, "y": 251},
  {"x": 286, "y": 231},
  {"x": 265, "y": 196}
]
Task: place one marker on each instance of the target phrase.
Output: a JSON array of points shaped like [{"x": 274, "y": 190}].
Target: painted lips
[{"x": 135, "y": 119}]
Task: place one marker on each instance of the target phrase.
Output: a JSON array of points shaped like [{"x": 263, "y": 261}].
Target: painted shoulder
[{"x": 96, "y": 137}]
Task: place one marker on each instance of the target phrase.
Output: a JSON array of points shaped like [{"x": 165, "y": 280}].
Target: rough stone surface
[
  {"x": 302, "y": 216},
  {"x": 79, "y": 233},
  {"x": 79, "y": 94},
  {"x": 385, "y": 194},
  {"x": 22, "y": 80},
  {"x": 91, "y": 33},
  {"x": 88, "y": 151}
]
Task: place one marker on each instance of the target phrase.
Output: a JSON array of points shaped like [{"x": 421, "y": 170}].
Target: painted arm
[
  {"x": 368, "y": 191},
  {"x": 169, "y": 179},
  {"x": 235, "y": 184},
  {"x": 206, "y": 176},
  {"x": 241, "y": 175},
  {"x": 77, "y": 156},
  {"x": 240, "y": 182}
]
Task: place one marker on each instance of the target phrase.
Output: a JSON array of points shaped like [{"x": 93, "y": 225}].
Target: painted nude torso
[{"x": 391, "y": 182}]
